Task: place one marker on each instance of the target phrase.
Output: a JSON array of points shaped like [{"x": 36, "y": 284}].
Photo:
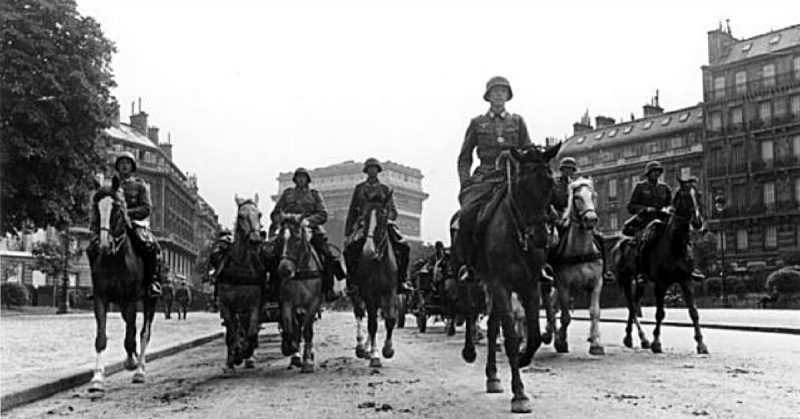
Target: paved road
[{"x": 747, "y": 375}]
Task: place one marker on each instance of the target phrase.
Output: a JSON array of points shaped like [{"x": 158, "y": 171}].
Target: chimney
[
  {"x": 167, "y": 147},
  {"x": 603, "y": 121},
  {"x": 139, "y": 120},
  {"x": 580, "y": 127},
  {"x": 652, "y": 108},
  {"x": 152, "y": 134},
  {"x": 719, "y": 43}
]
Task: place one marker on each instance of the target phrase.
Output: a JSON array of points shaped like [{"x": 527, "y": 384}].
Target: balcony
[
  {"x": 787, "y": 161},
  {"x": 751, "y": 87}
]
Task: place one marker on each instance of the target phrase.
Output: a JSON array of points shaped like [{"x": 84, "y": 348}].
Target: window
[
  {"x": 612, "y": 133},
  {"x": 796, "y": 146},
  {"x": 738, "y": 156},
  {"x": 769, "y": 195},
  {"x": 797, "y": 191},
  {"x": 648, "y": 124},
  {"x": 796, "y": 65},
  {"x": 766, "y": 151},
  {"x": 719, "y": 87},
  {"x": 686, "y": 172},
  {"x": 741, "y": 239},
  {"x": 716, "y": 157},
  {"x": 736, "y": 115},
  {"x": 746, "y": 47},
  {"x": 684, "y": 117},
  {"x": 775, "y": 39},
  {"x": 580, "y": 140},
  {"x": 613, "y": 221},
  {"x": 739, "y": 196},
  {"x": 716, "y": 121},
  {"x": 769, "y": 75},
  {"x": 666, "y": 120},
  {"x": 677, "y": 142},
  {"x": 628, "y": 130},
  {"x": 765, "y": 111},
  {"x": 770, "y": 236},
  {"x": 795, "y": 105},
  {"x": 741, "y": 82},
  {"x": 599, "y": 135},
  {"x": 612, "y": 188}
]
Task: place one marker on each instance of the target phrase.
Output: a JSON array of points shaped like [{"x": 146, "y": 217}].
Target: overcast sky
[{"x": 251, "y": 89}]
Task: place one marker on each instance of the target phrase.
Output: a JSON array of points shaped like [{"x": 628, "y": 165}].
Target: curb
[
  {"x": 84, "y": 375},
  {"x": 744, "y": 328}
]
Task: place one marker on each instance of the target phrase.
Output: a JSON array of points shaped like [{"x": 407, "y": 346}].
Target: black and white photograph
[{"x": 420, "y": 209}]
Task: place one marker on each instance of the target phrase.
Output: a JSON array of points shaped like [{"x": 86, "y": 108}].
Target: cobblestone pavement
[
  {"x": 734, "y": 317},
  {"x": 39, "y": 348}
]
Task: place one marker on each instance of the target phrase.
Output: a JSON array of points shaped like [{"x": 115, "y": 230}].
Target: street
[{"x": 747, "y": 375}]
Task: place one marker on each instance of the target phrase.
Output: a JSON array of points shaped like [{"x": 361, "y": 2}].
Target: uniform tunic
[
  {"x": 365, "y": 192},
  {"x": 305, "y": 201}
]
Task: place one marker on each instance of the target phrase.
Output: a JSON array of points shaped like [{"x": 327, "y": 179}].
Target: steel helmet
[
  {"x": 125, "y": 155},
  {"x": 497, "y": 81},
  {"x": 372, "y": 162},
  {"x": 301, "y": 171},
  {"x": 568, "y": 162},
  {"x": 653, "y": 165}
]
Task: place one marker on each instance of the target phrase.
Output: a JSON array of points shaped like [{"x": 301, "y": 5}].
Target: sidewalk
[
  {"x": 785, "y": 321},
  {"x": 39, "y": 349}
]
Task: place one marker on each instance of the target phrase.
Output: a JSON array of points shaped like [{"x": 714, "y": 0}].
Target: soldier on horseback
[
  {"x": 136, "y": 195},
  {"x": 491, "y": 133},
  {"x": 308, "y": 203},
  {"x": 373, "y": 190}
]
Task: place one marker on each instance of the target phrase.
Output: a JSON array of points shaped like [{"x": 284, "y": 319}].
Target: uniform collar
[
  {"x": 373, "y": 182},
  {"x": 503, "y": 115}
]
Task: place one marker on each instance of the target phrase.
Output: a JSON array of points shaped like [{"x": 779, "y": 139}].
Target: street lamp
[
  {"x": 62, "y": 304},
  {"x": 720, "y": 205}
]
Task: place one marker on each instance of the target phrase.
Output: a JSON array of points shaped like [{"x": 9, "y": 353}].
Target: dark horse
[
  {"x": 512, "y": 253},
  {"x": 670, "y": 263},
  {"x": 241, "y": 282},
  {"x": 300, "y": 273},
  {"x": 376, "y": 276},
  {"x": 118, "y": 277}
]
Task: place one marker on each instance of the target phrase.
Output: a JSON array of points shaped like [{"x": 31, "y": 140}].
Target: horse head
[
  {"x": 687, "y": 202},
  {"x": 531, "y": 180},
  {"x": 295, "y": 234},
  {"x": 111, "y": 212},
  {"x": 581, "y": 205},
  {"x": 248, "y": 220},
  {"x": 375, "y": 225}
]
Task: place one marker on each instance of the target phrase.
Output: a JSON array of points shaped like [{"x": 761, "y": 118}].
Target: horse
[
  {"x": 118, "y": 277},
  {"x": 578, "y": 263},
  {"x": 376, "y": 276},
  {"x": 300, "y": 275},
  {"x": 167, "y": 298},
  {"x": 241, "y": 281},
  {"x": 512, "y": 253},
  {"x": 623, "y": 263}
]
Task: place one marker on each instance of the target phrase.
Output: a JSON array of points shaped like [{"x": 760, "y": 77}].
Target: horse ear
[
  {"x": 237, "y": 199},
  {"x": 256, "y": 198},
  {"x": 552, "y": 151}
]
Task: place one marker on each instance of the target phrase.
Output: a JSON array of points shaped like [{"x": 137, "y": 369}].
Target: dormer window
[
  {"x": 648, "y": 124},
  {"x": 746, "y": 47},
  {"x": 684, "y": 117},
  {"x": 628, "y": 129},
  {"x": 775, "y": 39},
  {"x": 666, "y": 121},
  {"x": 599, "y": 135},
  {"x": 612, "y": 133},
  {"x": 580, "y": 140}
]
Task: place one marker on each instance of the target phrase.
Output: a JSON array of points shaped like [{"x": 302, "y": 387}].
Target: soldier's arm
[
  {"x": 391, "y": 209},
  {"x": 465, "y": 156},
  {"x": 319, "y": 215},
  {"x": 524, "y": 138},
  {"x": 141, "y": 210},
  {"x": 275, "y": 215},
  {"x": 634, "y": 205},
  {"x": 352, "y": 213}
]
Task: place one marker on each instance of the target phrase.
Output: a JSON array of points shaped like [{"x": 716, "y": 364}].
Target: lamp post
[
  {"x": 62, "y": 303},
  {"x": 720, "y": 205}
]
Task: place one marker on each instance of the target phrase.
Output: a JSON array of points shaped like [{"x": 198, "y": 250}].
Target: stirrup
[
  {"x": 154, "y": 290},
  {"x": 464, "y": 273}
]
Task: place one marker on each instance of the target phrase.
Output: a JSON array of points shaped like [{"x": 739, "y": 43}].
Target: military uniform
[
  {"x": 372, "y": 190},
  {"x": 217, "y": 255},
  {"x": 309, "y": 204},
  {"x": 490, "y": 134}
]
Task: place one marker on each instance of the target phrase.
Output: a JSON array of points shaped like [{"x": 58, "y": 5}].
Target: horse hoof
[
  {"x": 645, "y": 344},
  {"x": 130, "y": 364},
  {"x": 561, "y": 346},
  {"x": 469, "y": 354},
  {"x": 286, "y": 348},
  {"x": 249, "y": 363},
  {"x": 138, "y": 378},
  {"x": 493, "y": 385},
  {"x": 361, "y": 353},
  {"x": 525, "y": 359},
  {"x": 702, "y": 349},
  {"x": 521, "y": 405},
  {"x": 628, "y": 342},
  {"x": 307, "y": 367},
  {"x": 387, "y": 352},
  {"x": 656, "y": 348},
  {"x": 97, "y": 386},
  {"x": 597, "y": 350},
  {"x": 547, "y": 337},
  {"x": 375, "y": 363},
  {"x": 296, "y": 362},
  {"x": 228, "y": 371}
]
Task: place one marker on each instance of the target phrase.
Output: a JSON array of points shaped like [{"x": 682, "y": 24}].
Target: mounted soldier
[
  {"x": 136, "y": 195},
  {"x": 306, "y": 202},
  {"x": 491, "y": 133},
  {"x": 372, "y": 190}
]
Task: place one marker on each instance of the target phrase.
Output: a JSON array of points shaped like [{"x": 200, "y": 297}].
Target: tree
[
  {"x": 704, "y": 250},
  {"x": 55, "y": 81},
  {"x": 49, "y": 257}
]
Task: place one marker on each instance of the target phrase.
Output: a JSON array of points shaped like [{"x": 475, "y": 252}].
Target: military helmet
[
  {"x": 372, "y": 162},
  {"x": 497, "y": 81},
  {"x": 125, "y": 155},
  {"x": 568, "y": 162},
  {"x": 653, "y": 165},
  {"x": 224, "y": 232},
  {"x": 301, "y": 171}
]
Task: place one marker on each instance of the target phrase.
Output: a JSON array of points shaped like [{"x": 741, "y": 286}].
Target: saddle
[{"x": 487, "y": 211}]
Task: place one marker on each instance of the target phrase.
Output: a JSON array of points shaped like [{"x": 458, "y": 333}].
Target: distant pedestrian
[{"x": 183, "y": 295}]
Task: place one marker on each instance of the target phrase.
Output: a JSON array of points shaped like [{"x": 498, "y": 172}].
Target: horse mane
[{"x": 575, "y": 184}]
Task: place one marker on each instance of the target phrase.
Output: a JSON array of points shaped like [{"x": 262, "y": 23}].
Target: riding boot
[
  {"x": 598, "y": 240},
  {"x": 547, "y": 275},
  {"x": 350, "y": 264},
  {"x": 402, "y": 251},
  {"x": 152, "y": 273}
]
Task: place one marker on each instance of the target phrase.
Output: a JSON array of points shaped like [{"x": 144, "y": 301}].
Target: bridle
[
  {"x": 576, "y": 216},
  {"x": 525, "y": 229}
]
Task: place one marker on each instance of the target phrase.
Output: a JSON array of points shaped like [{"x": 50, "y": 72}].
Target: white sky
[{"x": 251, "y": 89}]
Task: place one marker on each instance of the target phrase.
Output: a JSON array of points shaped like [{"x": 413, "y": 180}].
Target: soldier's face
[
  {"x": 301, "y": 181},
  {"x": 653, "y": 175},
  {"x": 125, "y": 167},
  {"x": 498, "y": 95},
  {"x": 567, "y": 171},
  {"x": 372, "y": 171}
]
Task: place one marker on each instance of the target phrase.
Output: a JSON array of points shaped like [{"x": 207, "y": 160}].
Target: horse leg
[
  {"x": 100, "y": 341},
  {"x": 531, "y": 298},
  {"x": 660, "y": 291},
  {"x": 297, "y": 327},
  {"x": 468, "y": 352},
  {"x": 595, "y": 347},
  {"x": 358, "y": 313},
  {"x": 287, "y": 326},
  {"x": 252, "y": 335},
  {"x": 637, "y": 307},
  {"x": 688, "y": 296},
  {"x": 627, "y": 290},
  {"x": 493, "y": 327},
  {"x": 520, "y": 402},
  {"x": 372, "y": 329},
  {"x": 148, "y": 312},
  {"x": 547, "y": 301},
  {"x": 561, "y": 344},
  {"x": 390, "y": 314},
  {"x": 129, "y": 316},
  {"x": 229, "y": 319},
  {"x": 308, "y": 349}
]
